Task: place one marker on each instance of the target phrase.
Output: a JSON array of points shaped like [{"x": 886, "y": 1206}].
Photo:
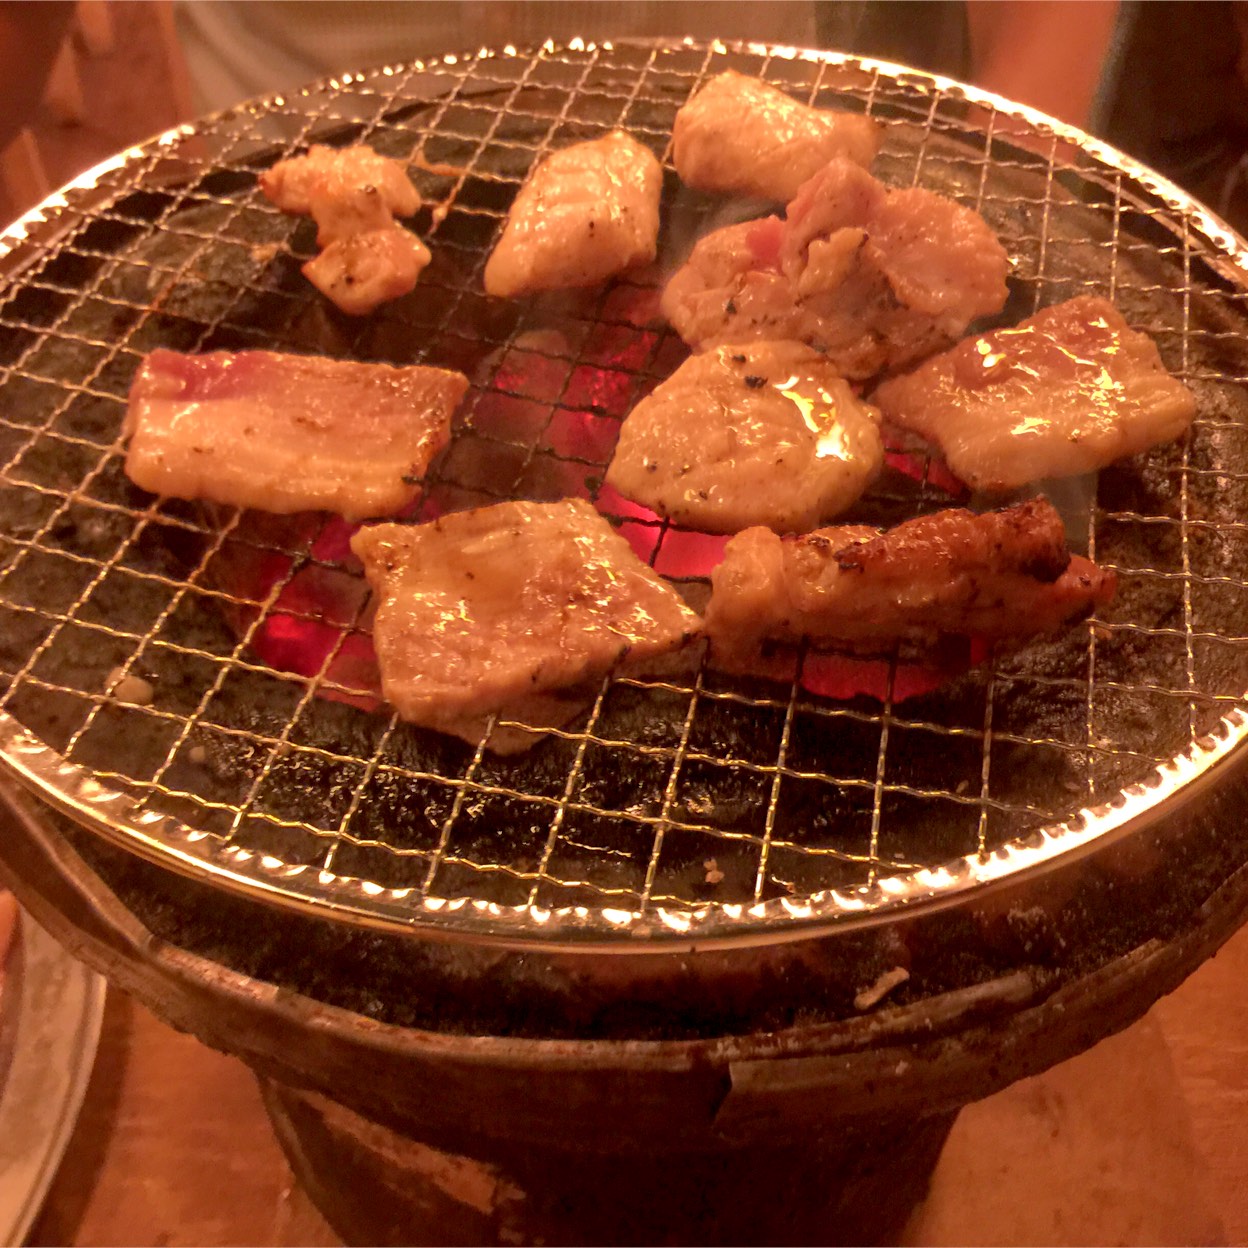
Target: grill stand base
[
  {"x": 375, "y": 1186},
  {"x": 824, "y": 1132}
]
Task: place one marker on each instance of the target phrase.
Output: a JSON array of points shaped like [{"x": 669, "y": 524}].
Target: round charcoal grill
[
  {"x": 192, "y": 691},
  {"x": 711, "y": 809}
]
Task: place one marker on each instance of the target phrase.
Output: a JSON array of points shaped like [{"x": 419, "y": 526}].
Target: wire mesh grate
[{"x": 261, "y": 753}]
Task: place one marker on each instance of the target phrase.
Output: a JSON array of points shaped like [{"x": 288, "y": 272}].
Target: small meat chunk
[
  {"x": 1064, "y": 392},
  {"x": 588, "y": 212},
  {"x": 744, "y": 136},
  {"x": 876, "y": 278},
  {"x": 286, "y": 433},
  {"x": 348, "y": 179},
  {"x": 361, "y": 272},
  {"x": 762, "y": 433},
  {"x": 481, "y": 611},
  {"x": 353, "y": 194},
  {"x": 1003, "y": 574}
]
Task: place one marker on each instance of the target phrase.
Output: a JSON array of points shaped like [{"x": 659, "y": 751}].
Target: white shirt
[{"x": 238, "y": 49}]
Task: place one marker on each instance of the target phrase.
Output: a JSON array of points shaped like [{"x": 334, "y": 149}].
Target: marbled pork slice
[
  {"x": 999, "y": 575},
  {"x": 762, "y": 433},
  {"x": 876, "y": 278},
  {"x": 588, "y": 212},
  {"x": 1067, "y": 391},
  {"x": 480, "y": 612},
  {"x": 743, "y": 136},
  {"x": 286, "y": 433}
]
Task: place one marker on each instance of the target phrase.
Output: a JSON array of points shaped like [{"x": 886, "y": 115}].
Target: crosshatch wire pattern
[{"x": 262, "y": 733}]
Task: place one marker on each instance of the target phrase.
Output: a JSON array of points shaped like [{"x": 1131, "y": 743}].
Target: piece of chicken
[
  {"x": 1064, "y": 392},
  {"x": 285, "y": 433},
  {"x": 481, "y": 612},
  {"x": 338, "y": 185},
  {"x": 761, "y": 433},
  {"x": 588, "y": 212},
  {"x": 362, "y": 271},
  {"x": 744, "y": 136},
  {"x": 876, "y": 278},
  {"x": 999, "y": 575},
  {"x": 353, "y": 194}
]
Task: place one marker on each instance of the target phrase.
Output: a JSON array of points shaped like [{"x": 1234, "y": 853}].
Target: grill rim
[
  {"x": 75, "y": 791},
  {"x": 167, "y": 842}
]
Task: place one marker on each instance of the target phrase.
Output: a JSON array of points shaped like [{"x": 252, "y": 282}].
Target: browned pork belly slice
[
  {"x": 744, "y": 136},
  {"x": 761, "y": 433},
  {"x": 481, "y": 612},
  {"x": 588, "y": 212},
  {"x": 285, "y": 433},
  {"x": 875, "y": 278},
  {"x": 1004, "y": 574},
  {"x": 1064, "y": 392}
]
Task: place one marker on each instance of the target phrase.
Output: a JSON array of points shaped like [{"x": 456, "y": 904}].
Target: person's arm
[
  {"x": 30, "y": 35},
  {"x": 1046, "y": 53}
]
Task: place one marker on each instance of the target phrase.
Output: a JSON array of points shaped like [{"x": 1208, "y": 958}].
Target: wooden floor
[
  {"x": 1142, "y": 1140},
  {"x": 173, "y": 1147}
]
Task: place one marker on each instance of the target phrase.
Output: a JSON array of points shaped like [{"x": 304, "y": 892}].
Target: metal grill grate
[{"x": 718, "y": 806}]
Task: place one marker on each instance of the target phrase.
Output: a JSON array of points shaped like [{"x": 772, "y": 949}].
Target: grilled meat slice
[
  {"x": 482, "y": 610},
  {"x": 284, "y": 433},
  {"x": 588, "y": 212},
  {"x": 744, "y": 136},
  {"x": 1003, "y": 574},
  {"x": 939, "y": 258},
  {"x": 732, "y": 290},
  {"x": 762, "y": 433},
  {"x": 1064, "y": 392},
  {"x": 876, "y": 278}
]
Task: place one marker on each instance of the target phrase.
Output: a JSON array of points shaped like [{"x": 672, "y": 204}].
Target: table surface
[{"x": 1142, "y": 1140}]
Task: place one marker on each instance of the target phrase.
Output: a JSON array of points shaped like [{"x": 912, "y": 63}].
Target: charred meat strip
[
  {"x": 482, "y": 611},
  {"x": 1065, "y": 392},
  {"x": 285, "y": 433},
  {"x": 353, "y": 194},
  {"x": 1003, "y": 574},
  {"x": 588, "y": 212},
  {"x": 744, "y": 136},
  {"x": 762, "y": 433},
  {"x": 876, "y": 278}
]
